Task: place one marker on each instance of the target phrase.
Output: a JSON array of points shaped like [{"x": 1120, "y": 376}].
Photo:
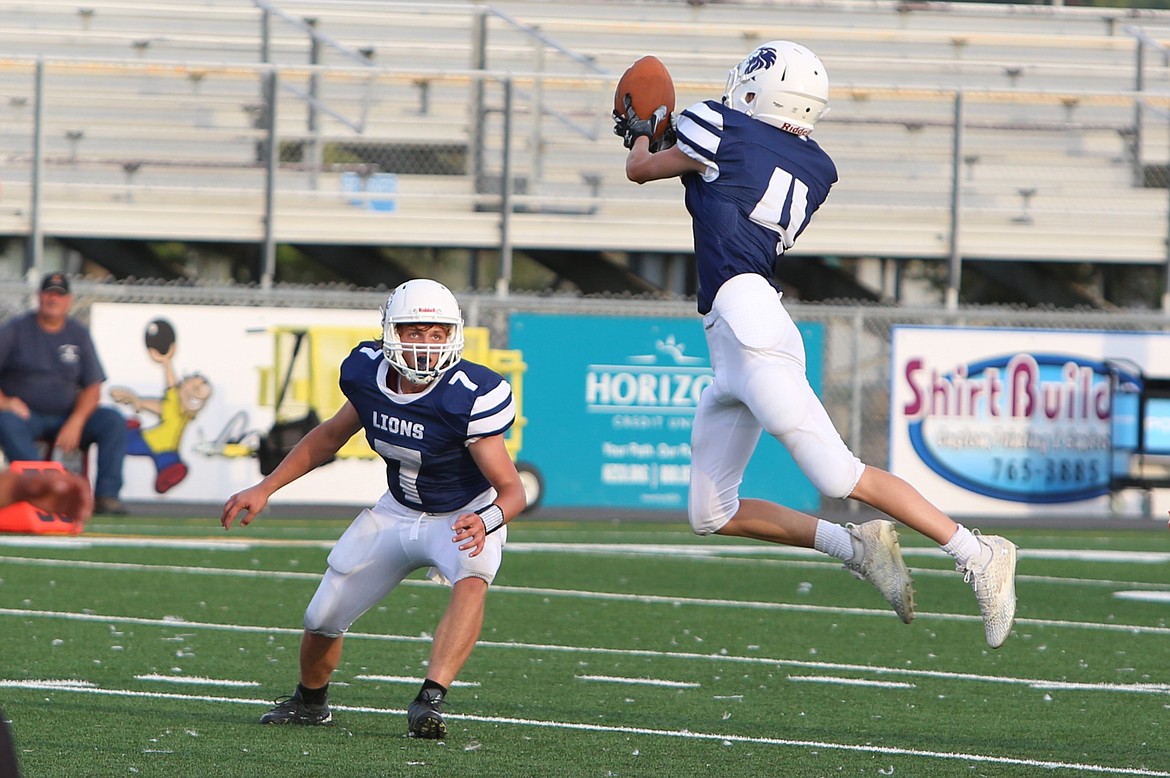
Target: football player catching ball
[{"x": 753, "y": 179}]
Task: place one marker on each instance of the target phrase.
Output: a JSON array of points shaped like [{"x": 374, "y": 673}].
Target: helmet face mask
[
  {"x": 421, "y": 302},
  {"x": 780, "y": 83}
]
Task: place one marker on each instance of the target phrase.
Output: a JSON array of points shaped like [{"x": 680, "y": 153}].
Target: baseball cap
[{"x": 55, "y": 282}]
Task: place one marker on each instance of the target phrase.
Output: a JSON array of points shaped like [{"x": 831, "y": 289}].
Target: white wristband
[{"x": 493, "y": 518}]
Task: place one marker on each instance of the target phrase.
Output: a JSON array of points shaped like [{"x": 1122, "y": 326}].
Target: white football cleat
[
  {"x": 878, "y": 559},
  {"x": 992, "y": 574}
]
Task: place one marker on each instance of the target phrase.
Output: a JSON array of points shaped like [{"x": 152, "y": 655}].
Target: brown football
[{"x": 649, "y": 85}]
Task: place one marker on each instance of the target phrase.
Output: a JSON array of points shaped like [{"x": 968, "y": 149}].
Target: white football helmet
[
  {"x": 422, "y": 301},
  {"x": 780, "y": 83}
]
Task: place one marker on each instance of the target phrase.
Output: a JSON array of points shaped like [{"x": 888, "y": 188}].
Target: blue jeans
[{"x": 106, "y": 427}]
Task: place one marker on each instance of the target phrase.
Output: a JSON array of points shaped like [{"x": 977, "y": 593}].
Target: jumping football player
[
  {"x": 438, "y": 421},
  {"x": 753, "y": 179}
]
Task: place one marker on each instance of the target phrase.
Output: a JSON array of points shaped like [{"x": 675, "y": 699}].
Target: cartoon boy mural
[{"x": 180, "y": 403}]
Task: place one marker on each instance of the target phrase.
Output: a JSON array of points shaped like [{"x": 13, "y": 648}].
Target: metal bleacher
[{"x": 153, "y": 122}]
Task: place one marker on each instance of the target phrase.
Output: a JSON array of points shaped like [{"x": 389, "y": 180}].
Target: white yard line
[
  {"x": 1143, "y": 688},
  {"x": 138, "y": 567},
  {"x": 594, "y": 595},
  {"x": 240, "y": 543},
  {"x": 851, "y": 681},
  {"x": 316, "y": 575},
  {"x": 193, "y": 680},
  {"x": 766, "y": 549},
  {"x": 639, "y": 681},
  {"x": 405, "y": 679},
  {"x": 1143, "y": 596},
  {"x": 759, "y": 553},
  {"x": 681, "y": 734}
]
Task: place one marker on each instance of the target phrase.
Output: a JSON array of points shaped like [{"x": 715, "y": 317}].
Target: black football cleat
[
  {"x": 294, "y": 710},
  {"x": 423, "y": 718}
]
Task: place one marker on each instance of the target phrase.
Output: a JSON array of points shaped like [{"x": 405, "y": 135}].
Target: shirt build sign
[
  {"x": 610, "y": 403},
  {"x": 1011, "y": 422}
]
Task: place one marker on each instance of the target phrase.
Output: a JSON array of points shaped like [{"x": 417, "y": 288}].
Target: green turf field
[{"x": 150, "y": 647}]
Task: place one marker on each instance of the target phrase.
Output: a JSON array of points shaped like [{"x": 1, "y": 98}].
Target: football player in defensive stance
[
  {"x": 438, "y": 421},
  {"x": 753, "y": 179}
]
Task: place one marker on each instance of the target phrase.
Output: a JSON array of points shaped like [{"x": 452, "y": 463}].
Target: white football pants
[
  {"x": 757, "y": 355},
  {"x": 382, "y": 546}
]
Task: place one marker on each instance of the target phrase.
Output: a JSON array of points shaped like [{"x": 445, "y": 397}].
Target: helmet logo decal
[
  {"x": 779, "y": 83},
  {"x": 760, "y": 58}
]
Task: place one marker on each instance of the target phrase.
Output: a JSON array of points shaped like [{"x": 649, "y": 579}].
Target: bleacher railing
[{"x": 473, "y": 158}]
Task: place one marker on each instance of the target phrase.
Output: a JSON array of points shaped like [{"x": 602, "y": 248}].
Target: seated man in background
[{"x": 50, "y": 384}]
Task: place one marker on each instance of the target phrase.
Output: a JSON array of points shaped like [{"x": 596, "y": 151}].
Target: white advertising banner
[
  {"x": 1015, "y": 422},
  {"x": 198, "y": 386}
]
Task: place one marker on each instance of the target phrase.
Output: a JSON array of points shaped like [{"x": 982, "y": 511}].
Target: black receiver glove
[{"x": 630, "y": 127}]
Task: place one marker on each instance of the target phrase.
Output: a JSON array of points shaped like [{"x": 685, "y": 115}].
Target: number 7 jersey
[{"x": 423, "y": 437}]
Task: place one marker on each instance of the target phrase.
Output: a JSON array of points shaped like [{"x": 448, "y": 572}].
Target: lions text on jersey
[
  {"x": 423, "y": 437},
  {"x": 759, "y": 191}
]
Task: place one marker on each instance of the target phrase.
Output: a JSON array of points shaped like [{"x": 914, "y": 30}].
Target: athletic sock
[
  {"x": 962, "y": 546},
  {"x": 429, "y": 684},
  {"x": 313, "y": 696},
  {"x": 834, "y": 540}
]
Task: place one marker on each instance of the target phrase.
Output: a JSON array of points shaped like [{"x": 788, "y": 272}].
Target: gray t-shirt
[{"x": 47, "y": 369}]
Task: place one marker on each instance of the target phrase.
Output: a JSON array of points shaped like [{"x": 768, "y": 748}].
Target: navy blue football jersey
[
  {"x": 759, "y": 190},
  {"x": 423, "y": 437}
]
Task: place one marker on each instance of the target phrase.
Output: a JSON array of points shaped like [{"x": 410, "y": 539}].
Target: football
[
  {"x": 649, "y": 85},
  {"x": 160, "y": 336}
]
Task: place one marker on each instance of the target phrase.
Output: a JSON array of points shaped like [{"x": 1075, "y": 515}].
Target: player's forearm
[
  {"x": 643, "y": 165},
  {"x": 511, "y": 499},
  {"x": 639, "y": 168},
  {"x": 303, "y": 457},
  {"x": 316, "y": 448}
]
